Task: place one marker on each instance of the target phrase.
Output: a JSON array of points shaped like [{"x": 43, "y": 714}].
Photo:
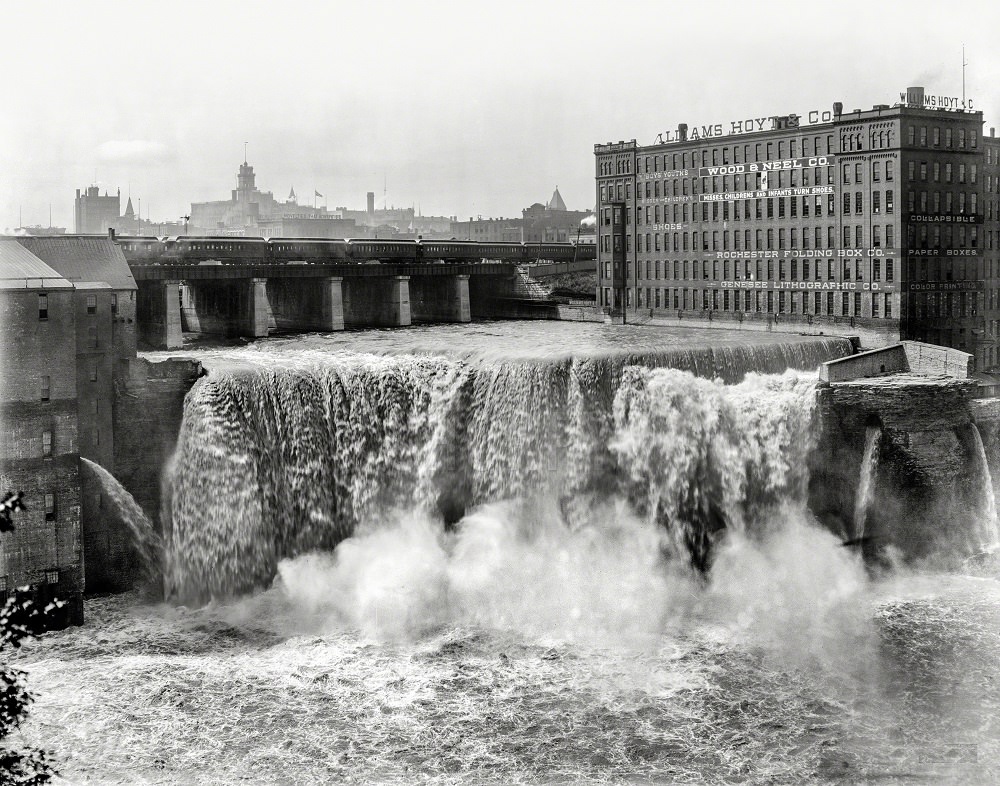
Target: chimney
[
  {"x": 993, "y": 131},
  {"x": 371, "y": 203},
  {"x": 682, "y": 132}
]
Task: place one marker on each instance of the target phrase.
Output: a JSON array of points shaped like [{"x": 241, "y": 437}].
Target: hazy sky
[{"x": 464, "y": 108}]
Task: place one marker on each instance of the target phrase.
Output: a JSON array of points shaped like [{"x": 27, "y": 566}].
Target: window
[
  {"x": 45, "y": 388},
  {"x": 876, "y": 201},
  {"x": 50, "y": 507},
  {"x": 52, "y": 576},
  {"x": 46, "y": 443},
  {"x": 889, "y": 167},
  {"x": 876, "y": 171},
  {"x": 923, "y": 171},
  {"x": 857, "y": 202},
  {"x": 923, "y": 136},
  {"x": 847, "y": 173},
  {"x": 91, "y": 304},
  {"x": 43, "y": 307},
  {"x": 935, "y": 136}
]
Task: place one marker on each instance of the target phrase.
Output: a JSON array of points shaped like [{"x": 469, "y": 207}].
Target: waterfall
[
  {"x": 987, "y": 527},
  {"x": 118, "y": 509},
  {"x": 866, "y": 481},
  {"x": 281, "y": 458}
]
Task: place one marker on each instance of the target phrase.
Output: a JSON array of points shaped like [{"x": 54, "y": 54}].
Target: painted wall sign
[
  {"x": 946, "y": 286},
  {"x": 774, "y": 192},
  {"x": 945, "y": 218},
  {"x": 766, "y": 166},
  {"x": 812, "y": 286},
  {"x": 812, "y": 253},
  {"x": 943, "y": 252},
  {"x": 667, "y": 175}
]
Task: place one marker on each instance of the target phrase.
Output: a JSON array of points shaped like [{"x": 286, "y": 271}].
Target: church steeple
[
  {"x": 129, "y": 212},
  {"x": 291, "y": 196}
]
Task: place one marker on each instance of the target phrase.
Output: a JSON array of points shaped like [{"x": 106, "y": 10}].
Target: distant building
[
  {"x": 247, "y": 207},
  {"x": 548, "y": 223},
  {"x": 95, "y": 214},
  {"x": 552, "y": 222},
  {"x": 309, "y": 227}
]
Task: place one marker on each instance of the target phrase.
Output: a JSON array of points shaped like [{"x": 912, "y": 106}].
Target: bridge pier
[
  {"x": 306, "y": 304},
  {"x": 377, "y": 301},
  {"x": 256, "y": 309},
  {"x": 158, "y": 314},
  {"x": 440, "y": 299}
]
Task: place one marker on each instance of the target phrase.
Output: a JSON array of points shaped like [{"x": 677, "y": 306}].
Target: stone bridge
[{"x": 255, "y": 299}]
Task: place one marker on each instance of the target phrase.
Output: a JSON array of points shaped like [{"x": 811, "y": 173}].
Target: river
[{"x": 464, "y": 555}]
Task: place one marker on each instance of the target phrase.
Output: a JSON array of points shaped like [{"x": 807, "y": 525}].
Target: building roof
[
  {"x": 83, "y": 258},
  {"x": 20, "y": 269},
  {"x": 556, "y": 203}
]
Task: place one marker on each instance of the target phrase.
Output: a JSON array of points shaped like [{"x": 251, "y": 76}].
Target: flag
[{"x": 317, "y": 193}]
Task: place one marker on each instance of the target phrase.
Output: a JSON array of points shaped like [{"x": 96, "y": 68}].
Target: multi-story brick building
[
  {"x": 105, "y": 302},
  {"x": 67, "y": 327},
  {"x": 884, "y": 219},
  {"x": 39, "y": 451}
]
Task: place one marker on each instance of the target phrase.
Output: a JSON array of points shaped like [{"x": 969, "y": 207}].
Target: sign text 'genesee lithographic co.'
[{"x": 821, "y": 286}]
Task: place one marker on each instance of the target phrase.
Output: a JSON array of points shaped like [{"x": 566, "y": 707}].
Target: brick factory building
[
  {"x": 67, "y": 326},
  {"x": 39, "y": 451},
  {"x": 883, "y": 221}
]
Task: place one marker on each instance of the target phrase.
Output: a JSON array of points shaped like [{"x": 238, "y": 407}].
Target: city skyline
[{"x": 462, "y": 114}]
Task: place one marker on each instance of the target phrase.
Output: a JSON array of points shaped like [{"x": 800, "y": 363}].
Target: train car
[
  {"x": 308, "y": 249},
  {"x": 549, "y": 252},
  {"x": 375, "y": 250},
  {"x": 503, "y": 251},
  {"x": 143, "y": 250},
  {"x": 586, "y": 252},
  {"x": 469, "y": 251},
  {"x": 193, "y": 249}
]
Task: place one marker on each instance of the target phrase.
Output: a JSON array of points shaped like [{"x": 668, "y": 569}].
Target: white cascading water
[
  {"x": 988, "y": 534},
  {"x": 866, "y": 482},
  {"x": 294, "y": 456},
  {"x": 122, "y": 505}
]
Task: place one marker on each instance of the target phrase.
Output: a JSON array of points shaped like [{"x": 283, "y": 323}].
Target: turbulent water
[
  {"x": 469, "y": 566},
  {"x": 289, "y": 449}
]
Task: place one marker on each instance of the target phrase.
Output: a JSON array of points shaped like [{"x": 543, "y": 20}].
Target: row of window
[
  {"x": 918, "y": 135},
  {"x": 43, "y": 305},
  {"x": 846, "y": 304},
  {"x": 761, "y": 270},
  {"x": 920, "y": 171},
  {"x": 853, "y": 236},
  {"x": 935, "y": 305},
  {"x": 880, "y": 168},
  {"x": 942, "y": 202},
  {"x": 737, "y": 154}
]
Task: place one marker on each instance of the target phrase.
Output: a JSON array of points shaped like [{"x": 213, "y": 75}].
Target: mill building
[{"x": 883, "y": 222}]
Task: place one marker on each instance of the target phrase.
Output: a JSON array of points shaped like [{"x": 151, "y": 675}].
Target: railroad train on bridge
[{"x": 190, "y": 249}]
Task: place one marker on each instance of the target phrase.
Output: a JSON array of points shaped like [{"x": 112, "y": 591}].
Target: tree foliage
[{"x": 19, "y": 617}]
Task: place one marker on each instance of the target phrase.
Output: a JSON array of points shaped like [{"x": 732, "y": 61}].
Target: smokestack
[
  {"x": 993, "y": 131},
  {"x": 682, "y": 132},
  {"x": 371, "y": 203},
  {"x": 838, "y": 109}
]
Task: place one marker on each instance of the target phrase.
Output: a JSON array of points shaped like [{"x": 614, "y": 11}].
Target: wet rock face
[{"x": 928, "y": 485}]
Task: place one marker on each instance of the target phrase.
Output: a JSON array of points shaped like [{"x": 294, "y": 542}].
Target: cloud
[{"x": 134, "y": 151}]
